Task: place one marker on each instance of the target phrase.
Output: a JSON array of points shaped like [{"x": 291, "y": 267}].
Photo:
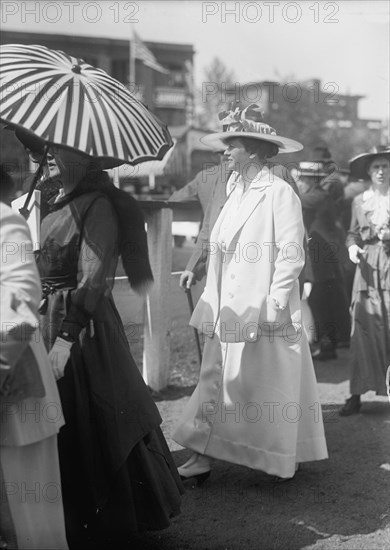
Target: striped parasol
[{"x": 68, "y": 102}]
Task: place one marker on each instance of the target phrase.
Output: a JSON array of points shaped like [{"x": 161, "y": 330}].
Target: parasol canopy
[{"x": 65, "y": 101}]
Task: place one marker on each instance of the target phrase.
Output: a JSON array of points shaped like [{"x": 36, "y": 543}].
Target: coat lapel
[
  {"x": 247, "y": 206},
  {"x": 249, "y": 203}
]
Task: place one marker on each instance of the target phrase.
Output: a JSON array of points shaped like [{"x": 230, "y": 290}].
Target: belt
[{"x": 50, "y": 285}]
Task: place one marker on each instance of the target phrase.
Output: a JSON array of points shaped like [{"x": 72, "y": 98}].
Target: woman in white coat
[
  {"x": 31, "y": 509},
  {"x": 256, "y": 403}
]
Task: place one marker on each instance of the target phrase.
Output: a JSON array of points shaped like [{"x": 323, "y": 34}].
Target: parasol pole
[
  {"x": 24, "y": 210},
  {"x": 191, "y": 304}
]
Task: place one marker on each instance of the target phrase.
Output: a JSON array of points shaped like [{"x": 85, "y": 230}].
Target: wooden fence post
[{"x": 156, "y": 355}]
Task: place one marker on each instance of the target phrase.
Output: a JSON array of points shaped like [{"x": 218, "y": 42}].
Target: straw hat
[
  {"x": 248, "y": 123},
  {"x": 359, "y": 164},
  {"x": 315, "y": 169}
]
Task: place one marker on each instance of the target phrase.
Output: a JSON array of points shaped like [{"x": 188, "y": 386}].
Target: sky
[{"x": 345, "y": 43}]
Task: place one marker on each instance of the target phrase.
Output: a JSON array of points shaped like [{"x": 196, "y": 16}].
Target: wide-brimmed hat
[
  {"x": 359, "y": 164},
  {"x": 27, "y": 138},
  {"x": 248, "y": 123},
  {"x": 37, "y": 145}
]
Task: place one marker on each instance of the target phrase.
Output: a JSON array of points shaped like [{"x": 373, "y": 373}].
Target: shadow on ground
[
  {"x": 340, "y": 503},
  {"x": 172, "y": 393},
  {"x": 337, "y": 504}
]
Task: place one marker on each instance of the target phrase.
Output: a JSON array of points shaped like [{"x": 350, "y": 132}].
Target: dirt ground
[
  {"x": 342, "y": 503},
  {"x": 338, "y": 504}
]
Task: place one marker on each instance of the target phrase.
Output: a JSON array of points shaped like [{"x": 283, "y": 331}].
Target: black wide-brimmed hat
[
  {"x": 27, "y": 138},
  {"x": 359, "y": 164},
  {"x": 37, "y": 145}
]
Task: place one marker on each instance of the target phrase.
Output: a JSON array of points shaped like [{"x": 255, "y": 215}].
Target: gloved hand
[
  {"x": 307, "y": 288},
  {"x": 187, "y": 279},
  {"x": 354, "y": 251},
  {"x": 59, "y": 355},
  {"x": 384, "y": 234}
]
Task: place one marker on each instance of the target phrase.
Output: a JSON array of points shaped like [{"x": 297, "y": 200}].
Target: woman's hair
[
  {"x": 371, "y": 160},
  {"x": 263, "y": 149},
  {"x": 7, "y": 185}
]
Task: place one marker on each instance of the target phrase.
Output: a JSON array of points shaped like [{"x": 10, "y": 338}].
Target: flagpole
[{"x": 132, "y": 60}]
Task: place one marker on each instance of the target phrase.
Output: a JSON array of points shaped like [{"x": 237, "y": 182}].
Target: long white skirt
[
  {"x": 256, "y": 404},
  {"x": 33, "y": 489}
]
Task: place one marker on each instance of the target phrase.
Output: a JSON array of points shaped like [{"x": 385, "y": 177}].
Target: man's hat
[
  {"x": 313, "y": 169},
  {"x": 248, "y": 123},
  {"x": 359, "y": 164}
]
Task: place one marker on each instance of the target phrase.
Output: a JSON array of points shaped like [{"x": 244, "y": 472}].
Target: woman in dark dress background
[{"x": 117, "y": 473}]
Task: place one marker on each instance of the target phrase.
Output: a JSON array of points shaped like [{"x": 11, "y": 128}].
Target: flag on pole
[{"x": 145, "y": 55}]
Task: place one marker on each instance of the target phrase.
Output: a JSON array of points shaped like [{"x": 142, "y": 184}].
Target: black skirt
[{"x": 103, "y": 507}]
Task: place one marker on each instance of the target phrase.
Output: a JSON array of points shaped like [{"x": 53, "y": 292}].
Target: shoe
[
  {"x": 325, "y": 355},
  {"x": 277, "y": 479},
  {"x": 315, "y": 351},
  {"x": 197, "y": 466},
  {"x": 343, "y": 344},
  {"x": 352, "y": 406}
]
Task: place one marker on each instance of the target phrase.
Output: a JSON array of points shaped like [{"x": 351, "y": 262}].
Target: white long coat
[{"x": 256, "y": 403}]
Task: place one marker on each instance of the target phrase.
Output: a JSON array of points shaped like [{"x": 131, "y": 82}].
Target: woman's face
[
  {"x": 53, "y": 169},
  {"x": 236, "y": 154},
  {"x": 379, "y": 171},
  {"x": 61, "y": 161}
]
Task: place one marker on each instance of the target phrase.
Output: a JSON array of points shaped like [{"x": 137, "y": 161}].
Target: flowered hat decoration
[{"x": 248, "y": 122}]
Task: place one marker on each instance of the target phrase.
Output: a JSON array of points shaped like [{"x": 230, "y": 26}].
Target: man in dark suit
[
  {"x": 202, "y": 186},
  {"x": 196, "y": 266}
]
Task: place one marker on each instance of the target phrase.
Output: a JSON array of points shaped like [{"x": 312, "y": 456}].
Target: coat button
[
  {"x": 230, "y": 295},
  {"x": 232, "y": 276}
]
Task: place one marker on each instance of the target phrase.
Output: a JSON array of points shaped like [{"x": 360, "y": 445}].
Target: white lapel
[{"x": 248, "y": 204}]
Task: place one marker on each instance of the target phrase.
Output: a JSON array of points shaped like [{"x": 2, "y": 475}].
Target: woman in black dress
[{"x": 117, "y": 473}]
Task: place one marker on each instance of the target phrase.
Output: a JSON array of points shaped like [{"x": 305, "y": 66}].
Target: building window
[
  {"x": 176, "y": 77},
  {"x": 374, "y": 125},
  {"x": 330, "y": 123},
  {"x": 120, "y": 70},
  {"x": 345, "y": 124}
]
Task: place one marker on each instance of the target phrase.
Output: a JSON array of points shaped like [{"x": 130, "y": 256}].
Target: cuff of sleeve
[
  {"x": 280, "y": 297},
  {"x": 71, "y": 329}
]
